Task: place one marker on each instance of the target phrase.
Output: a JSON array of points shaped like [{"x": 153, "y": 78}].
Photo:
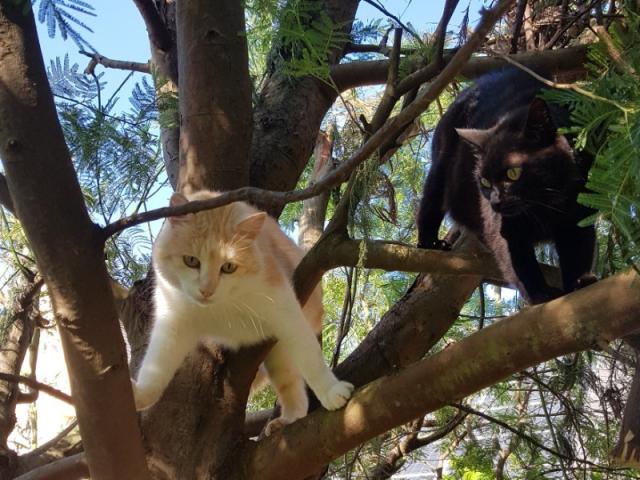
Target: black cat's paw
[
  {"x": 585, "y": 280},
  {"x": 435, "y": 245},
  {"x": 546, "y": 295}
]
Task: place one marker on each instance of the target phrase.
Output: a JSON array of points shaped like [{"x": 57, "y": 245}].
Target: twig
[
  {"x": 97, "y": 59},
  {"x": 441, "y": 29},
  {"x": 526, "y": 437},
  {"x": 566, "y": 27},
  {"x": 517, "y": 25},
  {"x": 30, "y": 382},
  {"x": 386, "y": 12},
  {"x": 562, "y": 86},
  {"x": 49, "y": 443},
  {"x": 614, "y": 53}
]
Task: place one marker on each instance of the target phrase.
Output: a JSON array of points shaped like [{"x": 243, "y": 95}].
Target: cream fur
[{"x": 245, "y": 307}]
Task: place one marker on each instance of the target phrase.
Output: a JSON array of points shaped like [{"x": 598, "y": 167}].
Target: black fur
[{"x": 498, "y": 124}]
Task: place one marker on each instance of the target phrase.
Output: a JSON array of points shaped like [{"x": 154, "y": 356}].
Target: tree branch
[
  {"x": 410, "y": 443},
  {"x": 607, "y": 310},
  {"x": 69, "y": 468},
  {"x": 158, "y": 33},
  {"x": 97, "y": 59},
  {"x": 386, "y": 12},
  {"x": 5, "y": 196},
  {"x": 30, "y": 382},
  {"x": 359, "y": 74}
]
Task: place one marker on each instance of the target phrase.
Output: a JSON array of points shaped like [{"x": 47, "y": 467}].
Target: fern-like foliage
[
  {"x": 143, "y": 101},
  {"x": 60, "y": 15},
  {"x": 307, "y": 36},
  {"x": 607, "y": 124},
  {"x": 67, "y": 81}
]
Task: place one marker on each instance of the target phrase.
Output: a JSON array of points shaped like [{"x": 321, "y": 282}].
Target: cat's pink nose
[{"x": 206, "y": 293}]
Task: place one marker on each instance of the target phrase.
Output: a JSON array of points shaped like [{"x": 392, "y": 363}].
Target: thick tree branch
[
  {"x": 68, "y": 468},
  {"x": 289, "y": 111},
  {"x": 358, "y": 74},
  {"x": 158, "y": 33},
  {"x": 37, "y": 164},
  {"x": 97, "y": 59},
  {"x": 607, "y": 310}
]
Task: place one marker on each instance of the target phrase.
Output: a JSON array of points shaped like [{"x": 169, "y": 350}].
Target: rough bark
[
  {"x": 215, "y": 100},
  {"x": 164, "y": 58},
  {"x": 607, "y": 310},
  {"x": 38, "y": 165},
  {"x": 288, "y": 113},
  {"x": 15, "y": 341},
  {"x": 626, "y": 453},
  {"x": 314, "y": 210}
]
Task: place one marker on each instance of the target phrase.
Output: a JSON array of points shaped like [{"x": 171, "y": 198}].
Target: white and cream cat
[{"x": 225, "y": 274}]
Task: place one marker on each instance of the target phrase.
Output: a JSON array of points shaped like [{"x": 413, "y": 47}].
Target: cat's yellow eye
[
  {"x": 191, "y": 262},
  {"x": 228, "y": 267},
  {"x": 485, "y": 183},
  {"x": 514, "y": 173}
]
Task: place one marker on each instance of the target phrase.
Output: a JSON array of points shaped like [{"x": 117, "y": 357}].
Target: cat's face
[
  {"x": 208, "y": 255},
  {"x": 520, "y": 167}
]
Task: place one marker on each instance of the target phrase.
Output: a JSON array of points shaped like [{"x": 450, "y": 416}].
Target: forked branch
[{"x": 606, "y": 310}]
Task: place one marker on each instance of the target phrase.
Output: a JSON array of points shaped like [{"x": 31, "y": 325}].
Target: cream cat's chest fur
[{"x": 245, "y": 316}]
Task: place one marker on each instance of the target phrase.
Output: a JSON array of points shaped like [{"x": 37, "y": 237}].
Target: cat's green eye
[
  {"x": 228, "y": 267},
  {"x": 191, "y": 262},
  {"x": 514, "y": 173},
  {"x": 485, "y": 183}
]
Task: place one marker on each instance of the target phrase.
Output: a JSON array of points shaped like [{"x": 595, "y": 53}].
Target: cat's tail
[{"x": 260, "y": 381}]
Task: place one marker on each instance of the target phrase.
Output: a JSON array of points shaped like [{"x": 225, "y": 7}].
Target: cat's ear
[
  {"x": 477, "y": 138},
  {"x": 540, "y": 126},
  {"x": 176, "y": 200},
  {"x": 250, "y": 227}
]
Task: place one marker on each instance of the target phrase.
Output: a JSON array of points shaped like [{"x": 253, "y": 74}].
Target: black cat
[{"x": 500, "y": 169}]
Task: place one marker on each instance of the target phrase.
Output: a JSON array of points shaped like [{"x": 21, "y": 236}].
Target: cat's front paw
[
  {"x": 143, "y": 397},
  {"x": 336, "y": 396}
]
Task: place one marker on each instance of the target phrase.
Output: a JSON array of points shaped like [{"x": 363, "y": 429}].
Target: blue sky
[{"x": 119, "y": 33}]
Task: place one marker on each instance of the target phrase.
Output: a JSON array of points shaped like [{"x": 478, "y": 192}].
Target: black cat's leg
[
  {"x": 431, "y": 211},
  {"x": 526, "y": 268},
  {"x": 576, "y": 247}
]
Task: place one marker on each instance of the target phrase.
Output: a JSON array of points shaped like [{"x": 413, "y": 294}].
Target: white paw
[
  {"x": 143, "y": 397},
  {"x": 336, "y": 396}
]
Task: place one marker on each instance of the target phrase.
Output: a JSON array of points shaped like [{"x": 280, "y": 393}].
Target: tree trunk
[
  {"x": 38, "y": 166},
  {"x": 215, "y": 95}
]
